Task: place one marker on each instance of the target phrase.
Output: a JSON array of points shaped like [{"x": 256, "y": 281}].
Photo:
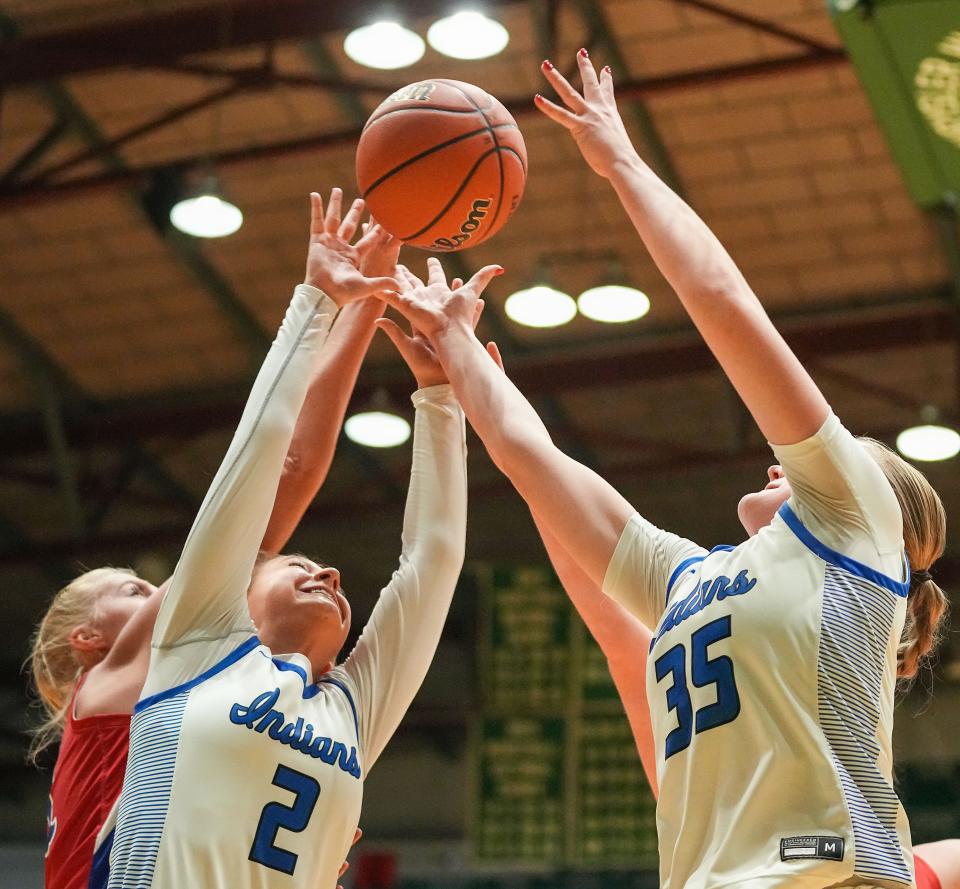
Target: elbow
[
  {"x": 442, "y": 551},
  {"x": 293, "y": 465},
  {"x": 723, "y": 288},
  {"x": 518, "y": 451},
  {"x": 273, "y": 433}
]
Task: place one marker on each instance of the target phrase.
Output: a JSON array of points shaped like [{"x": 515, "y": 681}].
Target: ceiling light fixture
[
  {"x": 377, "y": 429},
  {"x": 468, "y": 34},
  {"x": 540, "y": 306},
  {"x": 384, "y": 45},
  {"x": 205, "y": 213},
  {"x": 929, "y": 442},
  {"x": 613, "y": 303}
]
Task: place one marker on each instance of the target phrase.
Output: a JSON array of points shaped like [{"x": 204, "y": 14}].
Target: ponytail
[
  {"x": 924, "y": 538},
  {"x": 927, "y": 607}
]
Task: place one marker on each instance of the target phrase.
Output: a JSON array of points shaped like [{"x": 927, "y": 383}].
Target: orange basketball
[{"x": 441, "y": 165}]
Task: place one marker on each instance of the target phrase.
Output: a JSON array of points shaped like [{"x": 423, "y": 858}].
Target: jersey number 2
[
  {"x": 276, "y": 815},
  {"x": 703, "y": 671}
]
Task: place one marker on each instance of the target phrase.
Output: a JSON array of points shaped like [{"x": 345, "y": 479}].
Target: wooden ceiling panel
[
  {"x": 127, "y": 96},
  {"x": 706, "y": 48},
  {"x": 35, "y": 16},
  {"x": 15, "y": 233},
  {"x": 644, "y": 21},
  {"x": 790, "y": 170},
  {"x": 660, "y": 418},
  {"x": 41, "y": 257},
  {"x": 94, "y": 210},
  {"x": 698, "y": 163},
  {"x": 866, "y": 276}
]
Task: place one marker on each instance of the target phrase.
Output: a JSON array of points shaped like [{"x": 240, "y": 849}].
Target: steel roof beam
[
  {"x": 649, "y": 356},
  {"x": 162, "y": 37},
  {"x": 757, "y": 24},
  {"x": 618, "y": 473},
  {"x": 34, "y": 152},
  {"x": 184, "y": 248},
  {"x": 13, "y": 196}
]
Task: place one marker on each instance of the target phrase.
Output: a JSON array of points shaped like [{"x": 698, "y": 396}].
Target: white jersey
[
  {"x": 245, "y": 770},
  {"x": 771, "y": 683}
]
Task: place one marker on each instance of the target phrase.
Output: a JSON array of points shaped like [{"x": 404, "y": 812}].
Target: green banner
[
  {"x": 907, "y": 55},
  {"x": 615, "y": 811},
  {"x": 521, "y": 781},
  {"x": 557, "y": 778}
]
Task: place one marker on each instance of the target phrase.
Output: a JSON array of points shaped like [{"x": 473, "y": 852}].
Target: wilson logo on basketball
[
  {"x": 477, "y": 212},
  {"x": 415, "y": 92}
]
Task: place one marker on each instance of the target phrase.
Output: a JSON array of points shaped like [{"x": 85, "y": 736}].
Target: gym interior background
[{"x": 126, "y": 350}]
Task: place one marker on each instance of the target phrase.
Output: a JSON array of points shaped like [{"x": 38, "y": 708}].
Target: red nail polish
[
  {"x": 538, "y": 97},
  {"x": 547, "y": 65},
  {"x": 608, "y": 69},
  {"x": 583, "y": 53}
]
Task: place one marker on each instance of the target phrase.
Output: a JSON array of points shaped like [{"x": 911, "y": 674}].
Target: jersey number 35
[{"x": 703, "y": 672}]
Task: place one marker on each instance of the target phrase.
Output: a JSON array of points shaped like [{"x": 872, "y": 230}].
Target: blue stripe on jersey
[
  {"x": 353, "y": 707},
  {"x": 832, "y": 557},
  {"x": 100, "y": 869},
  {"x": 235, "y": 655},
  {"x": 856, "y": 625},
  {"x": 145, "y": 800},
  {"x": 310, "y": 691},
  {"x": 683, "y": 566}
]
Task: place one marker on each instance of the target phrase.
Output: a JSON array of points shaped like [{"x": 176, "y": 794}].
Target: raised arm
[
  {"x": 783, "y": 399},
  {"x": 207, "y": 595},
  {"x": 623, "y": 639},
  {"x": 585, "y": 513},
  {"x": 394, "y": 652},
  {"x": 332, "y": 378}
]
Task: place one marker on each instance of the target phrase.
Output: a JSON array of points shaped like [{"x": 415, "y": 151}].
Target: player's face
[
  {"x": 298, "y": 606},
  {"x": 757, "y": 509},
  {"x": 119, "y": 598}
]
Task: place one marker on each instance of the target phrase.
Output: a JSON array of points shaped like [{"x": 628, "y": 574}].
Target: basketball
[{"x": 441, "y": 165}]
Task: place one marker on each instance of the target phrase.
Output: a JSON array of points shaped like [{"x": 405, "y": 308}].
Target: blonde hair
[
  {"x": 924, "y": 538},
  {"x": 55, "y": 665}
]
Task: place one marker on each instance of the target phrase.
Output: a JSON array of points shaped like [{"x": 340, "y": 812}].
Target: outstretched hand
[
  {"x": 592, "y": 118},
  {"x": 333, "y": 264},
  {"x": 415, "y": 348},
  {"x": 435, "y": 307}
]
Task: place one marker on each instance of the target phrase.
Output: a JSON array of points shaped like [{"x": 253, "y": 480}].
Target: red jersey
[
  {"x": 87, "y": 780},
  {"x": 926, "y": 876}
]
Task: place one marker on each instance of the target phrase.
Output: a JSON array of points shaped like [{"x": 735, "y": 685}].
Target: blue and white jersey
[
  {"x": 245, "y": 771},
  {"x": 771, "y": 683}
]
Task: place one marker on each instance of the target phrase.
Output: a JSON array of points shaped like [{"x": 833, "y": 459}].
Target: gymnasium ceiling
[{"x": 126, "y": 350}]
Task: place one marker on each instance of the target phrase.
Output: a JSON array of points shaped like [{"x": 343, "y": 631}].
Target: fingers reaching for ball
[
  {"x": 591, "y": 118},
  {"x": 331, "y": 222},
  {"x": 478, "y": 283},
  {"x": 348, "y": 228},
  {"x": 435, "y": 272}
]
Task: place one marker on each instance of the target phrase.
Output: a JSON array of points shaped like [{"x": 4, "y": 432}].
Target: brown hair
[
  {"x": 924, "y": 538},
  {"x": 55, "y": 665}
]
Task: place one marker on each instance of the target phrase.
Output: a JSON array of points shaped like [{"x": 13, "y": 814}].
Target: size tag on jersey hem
[{"x": 829, "y": 848}]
